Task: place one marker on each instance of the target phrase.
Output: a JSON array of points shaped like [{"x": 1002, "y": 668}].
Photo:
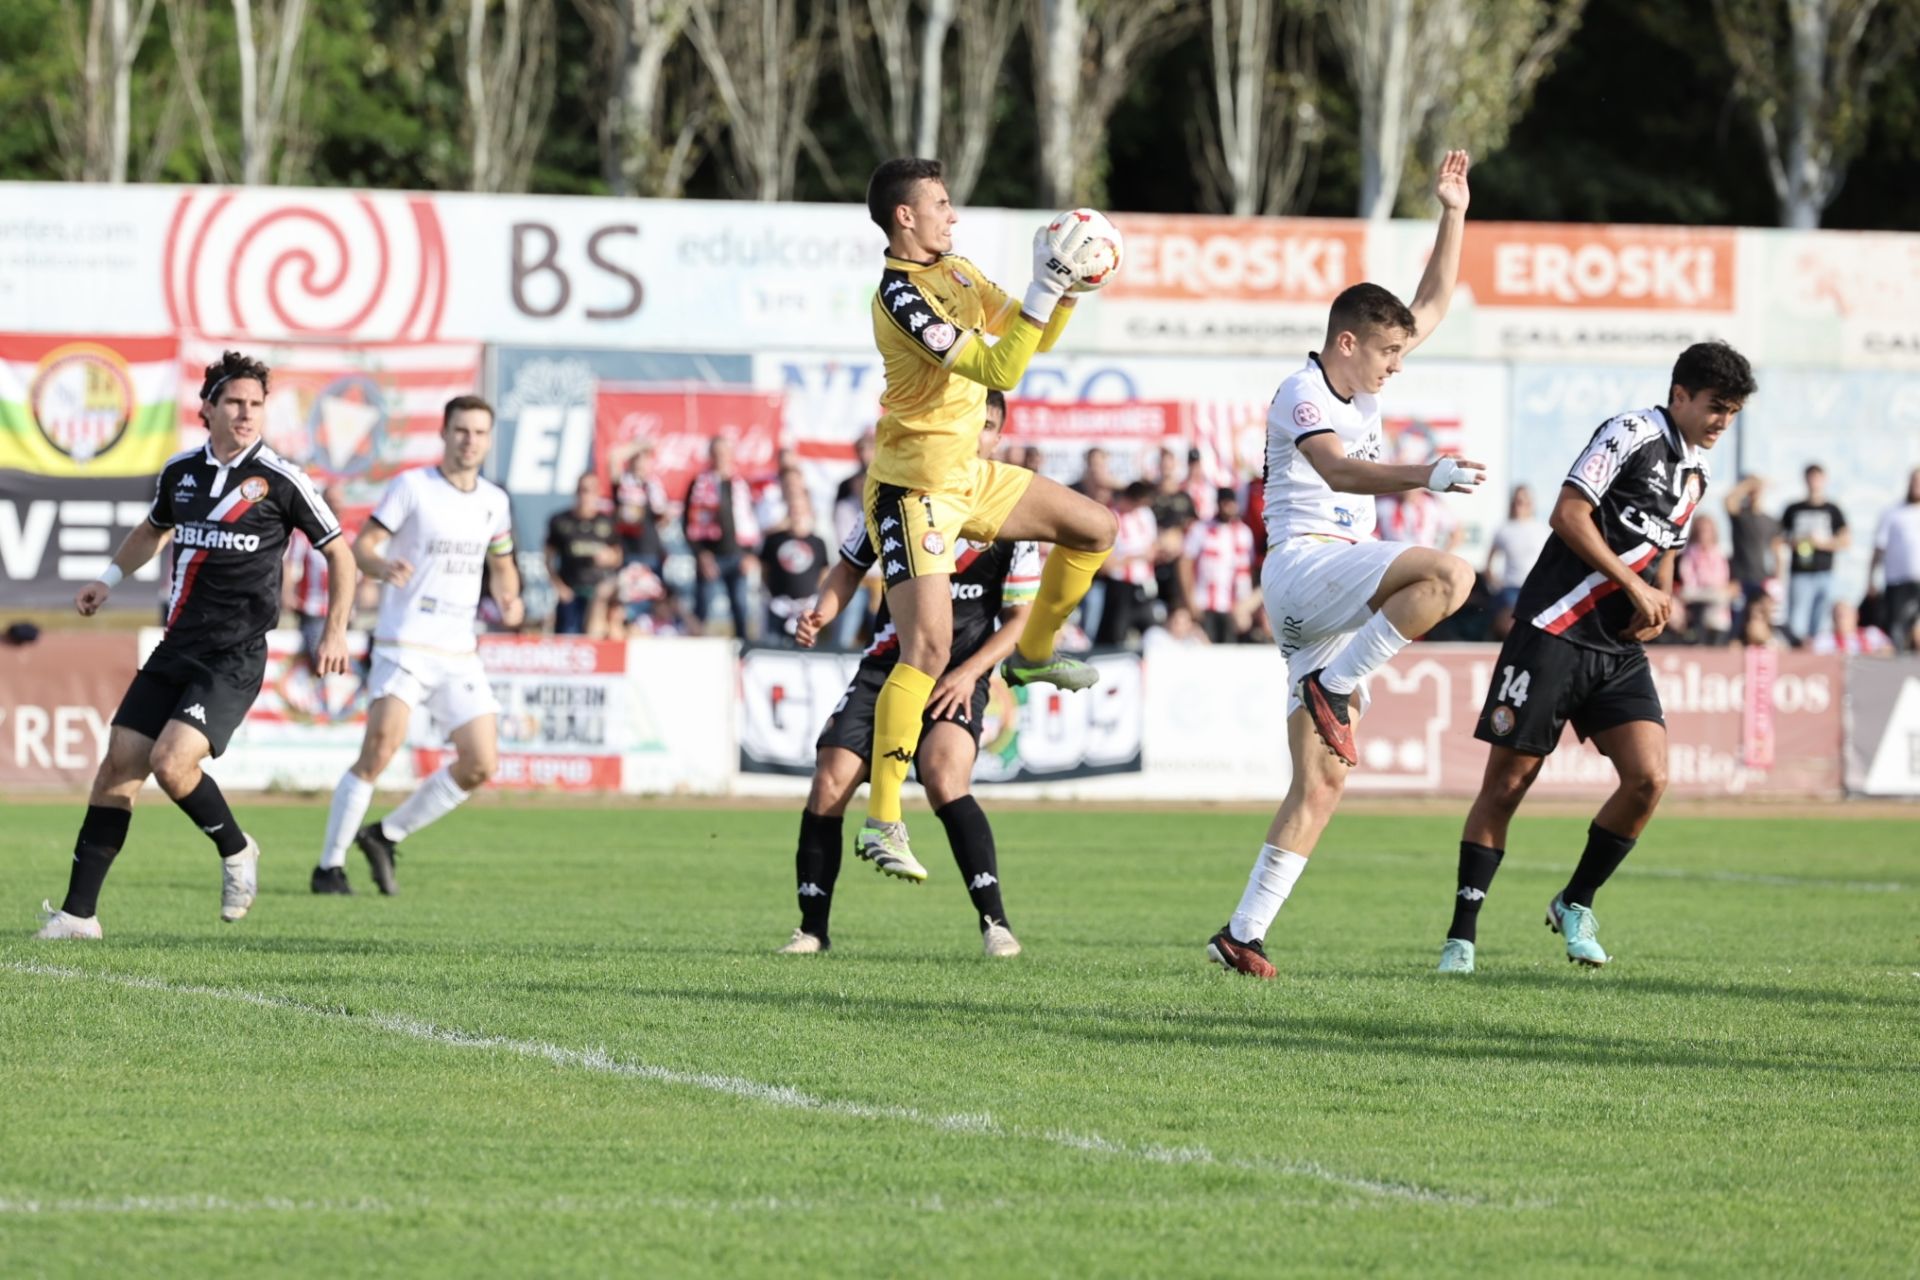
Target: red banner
[
  {"x": 682, "y": 422},
  {"x": 57, "y": 698}
]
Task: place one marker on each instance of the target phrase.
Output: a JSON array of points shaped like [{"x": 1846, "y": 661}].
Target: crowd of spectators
[{"x": 728, "y": 556}]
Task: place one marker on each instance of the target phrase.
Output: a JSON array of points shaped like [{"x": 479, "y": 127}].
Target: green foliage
[{"x": 566, "y": 1050}]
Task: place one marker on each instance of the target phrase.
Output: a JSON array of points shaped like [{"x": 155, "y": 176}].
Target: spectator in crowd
[
  {"x": 1034, "y": 459},
  {"x": 1756, "y": 630},
  {"x": 583, "y": 557},
  {"x": 1218, "y": 569},
  {"x": 775, "y": 500},
  {"x": 849, "y": 500},
  {"x": 1173, "y": 505},
  {"x": 1848, "y": 636},
  {"x": 1706, "y": 585},
  {"x": 303, "y": 583},
  {"x": 1896, "y": 553},
  {"x": 722, "y": 532},
  {"x": 1129, "y": 569},
  {"x": 1419, "y": 517},
  {"x": 1180, "y": 628},
  {"x": 1516, "y": 545},
  {"x": 793, "y": 559},
  {"x": 1096, "y": 479},
  {"x": 1757, "y": 546},
  {"x": 1815, "y": 528},
  {"x": 641, "y": 508}
]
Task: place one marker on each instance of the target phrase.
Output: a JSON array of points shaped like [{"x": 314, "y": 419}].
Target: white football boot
[
  {"x": 239, "y": 881},
  {"x": 58, "y": 924},
  {"x": 997, "y": 940},
  {"x": 802, "y": 944}
]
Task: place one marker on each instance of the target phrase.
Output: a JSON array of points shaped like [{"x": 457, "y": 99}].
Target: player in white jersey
[
  {"x": 436, "y": 532},
  {"x": 1340, "y": 602}
]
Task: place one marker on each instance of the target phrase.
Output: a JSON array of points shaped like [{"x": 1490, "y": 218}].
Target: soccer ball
[{"x": 1086, "y": 241}]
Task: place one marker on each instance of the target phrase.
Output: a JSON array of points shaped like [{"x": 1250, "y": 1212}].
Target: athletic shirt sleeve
[
  {"x": 1299, "y": 411},
  {"x": 1607, "y": 455},
  {"x": 857, "y": 550},
  {"x": 906, "y": 319},
  {"x": 160, "y": 515},
  {"x": 307, "y": 511},
  {"x": 1023, "y": 576},
  {"x": 396, "y": 504}
]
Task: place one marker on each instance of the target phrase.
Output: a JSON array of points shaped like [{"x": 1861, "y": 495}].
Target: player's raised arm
[
  {"x": 1435, "y": 294},
  {"x": 141, "y": 544},
  {"x": 1357, "y": 475}
]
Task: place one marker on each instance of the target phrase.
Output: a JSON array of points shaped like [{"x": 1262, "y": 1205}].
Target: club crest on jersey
[
  {"x": 1306, "y": 414},
  {"x": 934, "y": 543},
  {"x": 1501, "y": 721},
  {"x": 939, "y": 337},
  {"x": 254, "y": 489}
]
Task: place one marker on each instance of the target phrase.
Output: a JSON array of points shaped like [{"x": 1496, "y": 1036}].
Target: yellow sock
[
  {"x": 896, "y": 733},
  {"x": 1063, "y": 583}
]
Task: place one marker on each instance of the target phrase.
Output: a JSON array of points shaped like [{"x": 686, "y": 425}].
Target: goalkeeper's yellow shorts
[{"x": 918, "y": 532}]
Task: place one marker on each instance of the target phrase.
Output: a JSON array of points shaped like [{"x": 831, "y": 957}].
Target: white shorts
[
  {"x": 1316, "y": 591},
  {"x": 451, "y": 688}
]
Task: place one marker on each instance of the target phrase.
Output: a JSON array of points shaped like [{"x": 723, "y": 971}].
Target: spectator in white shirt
[
  {"x": 1218, "y": 568},
  {"x": 1129, "y": 569},
  {"x": 1896, "y": 551},
  {"x": 1516, "y": 545}
]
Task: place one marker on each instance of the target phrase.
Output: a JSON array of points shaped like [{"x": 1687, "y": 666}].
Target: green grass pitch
[{"x": 567, "y": 1050}]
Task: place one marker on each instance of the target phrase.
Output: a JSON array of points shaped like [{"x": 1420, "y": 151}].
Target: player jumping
[
  {"x": 1342, "y": 604},
  {"x": 995, "y": 580},
  {"x": 434, "y": 533},
  {"x": 1601, "y": 589},
  {"x": 928, "y": 488},
  {"x": 228, "y": 507}
]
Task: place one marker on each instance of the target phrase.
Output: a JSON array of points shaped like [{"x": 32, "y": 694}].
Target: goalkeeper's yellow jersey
[{"x": 930, "y": 321}]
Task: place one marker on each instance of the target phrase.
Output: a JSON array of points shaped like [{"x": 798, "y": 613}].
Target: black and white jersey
[
  {"x": 987, "y": 577},
  {"x": 1645, "y": 483},
  {"x": 230, "y": 524}
]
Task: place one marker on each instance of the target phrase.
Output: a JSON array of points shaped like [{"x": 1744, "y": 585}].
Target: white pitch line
[{"x": 774, "y": 1095}]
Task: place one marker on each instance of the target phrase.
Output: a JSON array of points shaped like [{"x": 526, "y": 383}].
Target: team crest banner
[{"x": 87, "y": 406}]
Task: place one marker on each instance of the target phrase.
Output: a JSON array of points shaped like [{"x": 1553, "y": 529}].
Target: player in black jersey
[
  {"x": 1601, "y": 588},
  {"x": 228, "y": 508},
  {"x": 992, "y": 583}
]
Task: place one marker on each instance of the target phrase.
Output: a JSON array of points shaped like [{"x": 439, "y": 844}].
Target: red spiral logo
[{"x": 272, "y": 264}]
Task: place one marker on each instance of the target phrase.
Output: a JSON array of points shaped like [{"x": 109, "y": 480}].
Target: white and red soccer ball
[{"x": 1088, "y": 242}]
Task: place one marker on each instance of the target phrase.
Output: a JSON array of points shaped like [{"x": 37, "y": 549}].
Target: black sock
[
  {"x": 1477, "y": 865},
  {"x": 1604, "y": 854},
  {"x": 209, "y": 811},
  {"x": 102, "y": 832},
  {"x": 816, "y": 865},
  {"x": 971, "y": 836}
]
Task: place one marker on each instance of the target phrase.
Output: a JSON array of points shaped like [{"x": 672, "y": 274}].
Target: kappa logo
[
  {"x": 889, "y": 523},
  {"x": 918, "y": 321},
  {"x": 198, "y": 712},
  {"x": 895, "y": 568},
  {"x": 906, "y": 299},
  {"x": 890, "y": 546},
  {"x": 982, "y": 880},
  {"x": 901, "y": 754},
  {"x": 1470, "y": 893},
  {"x": 897, "y": 284},
  {"x": 188, "y": 482},
  {"x": 1660, "y": 470},
  {"x": 811, "y": 890}
]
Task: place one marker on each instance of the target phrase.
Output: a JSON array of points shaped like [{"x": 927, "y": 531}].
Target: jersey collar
[
  {"x": 247, "y": 454},
  {"x": 1315, "y": 357},
  {"x": 1687, "y": 452},
  {"x": 908, "y": 264}
]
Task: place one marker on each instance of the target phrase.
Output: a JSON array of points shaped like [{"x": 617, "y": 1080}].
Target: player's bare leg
[
  {"x": 922, "y": 611},
  {"x": 1483, "y": 844},
  {"x": 386, "y": 731},
  {"x": 175, "y": 762},
  {"x": 1082, "y": 533},
  {"x": 947, "y": 754},
  {"x": 475, "y": 757},
  {"x": 1638, "y": 750},
  {"x": 1313, "y": 795},
  {"x": 1419, "y": 590},
  {"x": 116, "y": 785},
  {"x": 837, "y": 774}
]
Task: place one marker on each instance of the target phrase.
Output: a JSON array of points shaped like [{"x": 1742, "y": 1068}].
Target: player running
[
  {"x": 433, "y": 535},
  {"x": 1601, "y": 589},
  {"x": 928, "y": 488},
  {"x": 993, "y": 580},
  {"x": 228, "y": 508},
  {"x": 1341, "y": 603}
]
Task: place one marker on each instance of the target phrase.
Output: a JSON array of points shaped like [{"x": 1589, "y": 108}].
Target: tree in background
[
  {"x": 268, "y": 38},
  {"x": 95, "y": 126},
  {"x": 986, "y": 29},
  {"x": 1085, "y": 54},
  {"x": 507, "y": 69},
  {"x": 655, "y": 116},
  {"x": 1806, "y": 69},
  {"x": 764, "y": 58},
  {"x": 1259, "y": 136}
]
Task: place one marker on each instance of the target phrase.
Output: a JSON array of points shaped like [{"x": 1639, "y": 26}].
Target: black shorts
[
  {"x": 851, "y": 724},
  {"x": 1540, "y": 682},
  {"x": 213, "y": 693}
]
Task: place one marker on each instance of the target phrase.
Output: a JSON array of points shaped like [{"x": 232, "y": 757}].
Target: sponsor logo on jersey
[
  {"x": 933, "y": 542},
  {"x": 939, "y": 337},
  {"x": 1306, "y": 414},
  {"x": 254, "y": 489},
  {"x": 1501, "y": 721},
  {"x": 969, "y": 591},
  {"x": 214, "y": 538}
]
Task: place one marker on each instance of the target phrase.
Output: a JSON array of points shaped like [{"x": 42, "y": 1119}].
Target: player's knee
[
  {"x": 1104, "y": 529},
  {"x": 1647, "y": 784},
  {"x": 475, "y": 770},
  {"x": 1455, "y": 577},
  {"x": 1508, "y": 791},
  {"x": 1320, "y": 793},
  {"x": 944, "y": 786},
  {"x": 172, "y": 768}
]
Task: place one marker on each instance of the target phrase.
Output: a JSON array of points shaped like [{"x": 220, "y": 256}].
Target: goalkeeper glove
[{"x": 1053, "y": 275}]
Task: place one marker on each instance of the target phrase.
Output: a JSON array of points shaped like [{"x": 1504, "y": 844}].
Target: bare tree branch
[
  {"x": 509, "y": 88},
  {"x": 763, "y": 57},
  {"x": 1255, "y": 146}
]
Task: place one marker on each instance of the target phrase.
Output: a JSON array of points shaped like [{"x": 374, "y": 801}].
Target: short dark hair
[
  {"x": 1138, "y": 491},
  {"x": 460, "y": 404},
  {"x": 1716, "y": 367},
  {"x": 229, "y": 366},
  {"x": 1227, "y": 495},
  {"x": 892, "y": 186},
  {"x": 1362, "y": 308},
  {"x": 1813, "y": 467},
  {"x": 997, "y": 399}
]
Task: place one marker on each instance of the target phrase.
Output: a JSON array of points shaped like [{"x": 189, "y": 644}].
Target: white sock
[
  {"x": 350, "y": 801},
  {"x": 1371, "y": 648},
  {"x": 432, "y": 800},
  {"x": 1267, "y": 888}
]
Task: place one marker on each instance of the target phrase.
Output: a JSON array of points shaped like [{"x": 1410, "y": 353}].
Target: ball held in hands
[{"x": 1088, "y": 243}]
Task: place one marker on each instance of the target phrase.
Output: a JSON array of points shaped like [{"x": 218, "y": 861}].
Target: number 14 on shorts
[{"x": 1513, "y": 686}]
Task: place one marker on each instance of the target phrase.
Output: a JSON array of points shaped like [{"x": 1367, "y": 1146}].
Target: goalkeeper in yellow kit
[{"x": 927, "y": 489}]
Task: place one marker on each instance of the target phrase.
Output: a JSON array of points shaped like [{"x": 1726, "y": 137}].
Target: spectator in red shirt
[
  {"x": 1218, "y": 568},
  {"x": 723, "y": 534}
]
